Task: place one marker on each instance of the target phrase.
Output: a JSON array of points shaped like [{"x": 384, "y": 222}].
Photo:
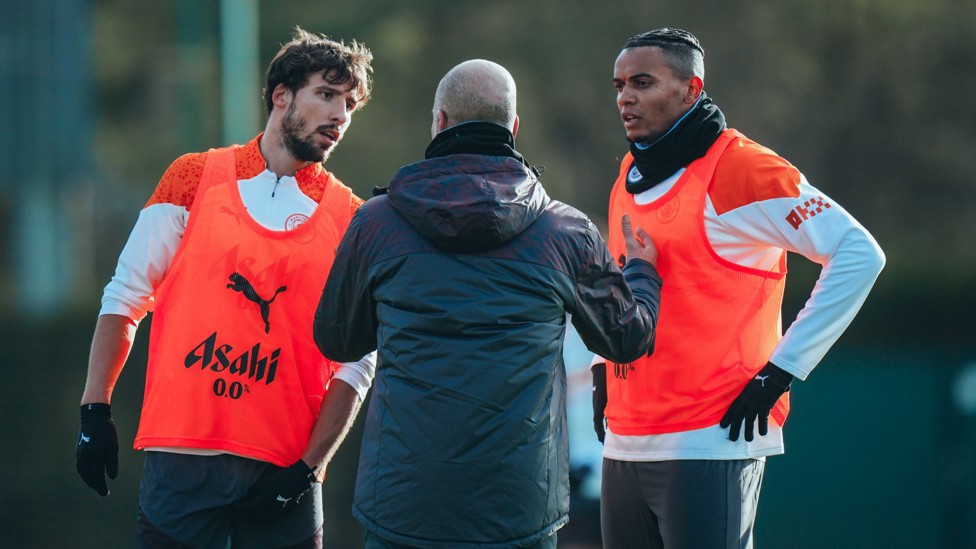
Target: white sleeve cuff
[
  {"x": 359, "y": 374},
  {"x": 111, "y": 306}
]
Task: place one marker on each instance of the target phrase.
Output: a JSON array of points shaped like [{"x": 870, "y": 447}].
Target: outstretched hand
[{"x": 639, "y": 245}]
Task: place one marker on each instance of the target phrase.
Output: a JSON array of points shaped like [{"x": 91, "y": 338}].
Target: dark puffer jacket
[{"x": 461, "y": 276}]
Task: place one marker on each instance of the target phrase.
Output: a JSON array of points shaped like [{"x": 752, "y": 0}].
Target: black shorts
[{"x": 191, "y": 499}]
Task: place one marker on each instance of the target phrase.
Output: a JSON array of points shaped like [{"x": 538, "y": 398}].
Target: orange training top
[
  {"x": 232, "y": 363},
  {"x": 718, "y": 323}
]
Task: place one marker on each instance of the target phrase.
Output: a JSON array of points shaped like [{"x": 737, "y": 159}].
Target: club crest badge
[
  {"x": 294, "y": 221},
  {"x": 634, "y": 175},
  {"x": 667, "y": 212}
]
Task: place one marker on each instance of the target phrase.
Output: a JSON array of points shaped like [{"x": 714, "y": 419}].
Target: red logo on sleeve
[{"x": 808, "y": 209}]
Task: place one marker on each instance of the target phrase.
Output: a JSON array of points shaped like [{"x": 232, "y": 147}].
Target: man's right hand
[
  {"x": 639, "y": 246},
  {"x": 277, "y": 491},
  {"x": 97, "y": 451}
]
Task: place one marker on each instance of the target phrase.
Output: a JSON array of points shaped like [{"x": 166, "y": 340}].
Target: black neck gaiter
[
  {"x": 687, "y": 141},
  {"x": 474, "y": 138}
]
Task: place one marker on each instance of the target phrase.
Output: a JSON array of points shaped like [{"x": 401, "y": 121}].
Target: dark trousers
[
  {"x": 681, "y": 504},
  {"x": 375, "y": 542}
]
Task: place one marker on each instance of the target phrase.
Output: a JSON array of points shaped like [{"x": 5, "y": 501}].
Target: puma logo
[
  {"x": 241, "y": 284},
  {"x": 284, "y": 501},
  {"x": 762, "y": 379},
  {"x": 84, "y": 439}
]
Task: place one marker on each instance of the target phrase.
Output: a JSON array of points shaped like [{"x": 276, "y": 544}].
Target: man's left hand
[
  {"x": 756, "y": 401},
  {"x": 276, "y": 491},
  {"x": 599, "y": 372}
]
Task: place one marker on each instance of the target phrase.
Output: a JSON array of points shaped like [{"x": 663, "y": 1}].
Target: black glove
[
  {"x": 756, "y": 401},
  {"x": 599, "y": 399},
  {"x": 276, "y": 491},
  {"x": 97, "y": 451}
]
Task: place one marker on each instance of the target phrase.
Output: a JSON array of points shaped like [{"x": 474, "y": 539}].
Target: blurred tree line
[{"x": 867, "y": 98}]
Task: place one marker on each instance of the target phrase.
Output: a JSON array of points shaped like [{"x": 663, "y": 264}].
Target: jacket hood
[{"x": 468, "y": 203}]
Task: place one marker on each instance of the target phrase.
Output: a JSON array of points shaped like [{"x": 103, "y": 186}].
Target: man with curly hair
[{"x": 241, "y": 412}]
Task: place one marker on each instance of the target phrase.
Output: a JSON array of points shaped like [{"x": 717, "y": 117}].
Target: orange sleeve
[
  {"x": 180, "y": 182},
  {"x": 749, "y": 172}
]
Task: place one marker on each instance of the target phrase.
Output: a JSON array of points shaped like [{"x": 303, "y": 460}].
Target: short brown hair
[{"x": 338, "y": 63}]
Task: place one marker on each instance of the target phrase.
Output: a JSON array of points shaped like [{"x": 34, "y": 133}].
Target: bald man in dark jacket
[{"x": 462, "y": 275}]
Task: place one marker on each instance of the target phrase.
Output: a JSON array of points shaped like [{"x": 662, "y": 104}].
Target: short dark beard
[{"x": 301, "y": 148}]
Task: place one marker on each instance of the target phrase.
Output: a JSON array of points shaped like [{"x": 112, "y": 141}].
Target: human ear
[
  {"x": 281, "y": 96},
  {"x": 440, "y": 121},
  {"x": 695, "y": 86}
]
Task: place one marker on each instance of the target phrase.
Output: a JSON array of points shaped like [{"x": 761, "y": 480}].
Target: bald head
[{"x": 475, "y": 90}]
